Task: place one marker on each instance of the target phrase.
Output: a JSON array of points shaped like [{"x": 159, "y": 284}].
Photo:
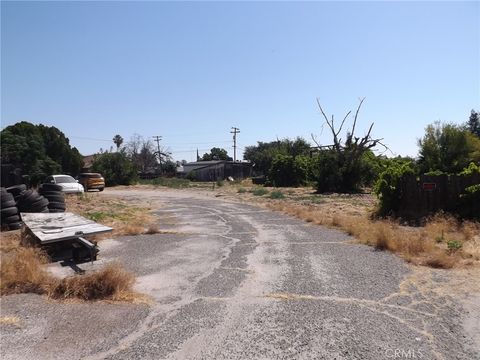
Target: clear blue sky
[{"x": 189, "y": 71}]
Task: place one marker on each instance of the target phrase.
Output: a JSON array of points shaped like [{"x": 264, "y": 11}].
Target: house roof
[
  {"x": 88, "y": 160},
  {"x": 205, "y": 163}
]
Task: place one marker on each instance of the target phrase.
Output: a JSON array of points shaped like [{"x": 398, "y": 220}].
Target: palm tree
[{"x": 118, "y": 140}]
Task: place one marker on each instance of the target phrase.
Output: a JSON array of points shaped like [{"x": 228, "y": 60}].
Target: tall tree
[
  {"x": 142, "y": 152},
  {"x": 118, "y": 141},
  {"x": 216, "y": 154},
  {"x": 263, "y": 154},
  {"x": 473, "y": 123},
  {"x": 447, "y": 147},
  {"x": 339, "y": 167},
  {"x": 38, "y": 151}
]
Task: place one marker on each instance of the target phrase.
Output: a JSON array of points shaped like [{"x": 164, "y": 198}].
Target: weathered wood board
[{"x": 54, "y": 227}]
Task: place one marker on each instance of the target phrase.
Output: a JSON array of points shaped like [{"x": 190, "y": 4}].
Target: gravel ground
[{"x": 233, "y": 281}]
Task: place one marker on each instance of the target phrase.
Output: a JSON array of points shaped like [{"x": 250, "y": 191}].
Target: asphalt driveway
[{"x": 234, "y": 281}]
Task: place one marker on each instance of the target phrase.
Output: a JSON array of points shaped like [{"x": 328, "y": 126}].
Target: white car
[{"x": 68, "y": 183}]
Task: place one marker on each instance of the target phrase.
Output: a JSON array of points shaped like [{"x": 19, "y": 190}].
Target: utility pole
[
  {"x": 235, "y": 131},
  {"x": 157, "y": 138}
]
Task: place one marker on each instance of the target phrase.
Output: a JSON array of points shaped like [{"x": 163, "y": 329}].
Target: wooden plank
[{"x": 61, "y": 226}]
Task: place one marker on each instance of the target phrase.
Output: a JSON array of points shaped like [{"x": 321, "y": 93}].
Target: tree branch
[{"x": 356, "y": 115}]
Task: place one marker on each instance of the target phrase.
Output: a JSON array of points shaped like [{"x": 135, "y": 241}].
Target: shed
[{"x": 218, "y": 170}]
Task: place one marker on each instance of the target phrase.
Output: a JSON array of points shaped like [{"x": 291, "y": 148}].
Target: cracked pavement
[{"x": 234, "y": 281}]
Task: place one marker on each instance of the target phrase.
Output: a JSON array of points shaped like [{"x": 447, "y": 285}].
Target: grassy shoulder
[{"x": 124, "y": 217}]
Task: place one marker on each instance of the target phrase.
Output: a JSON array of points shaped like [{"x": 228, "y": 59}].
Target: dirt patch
[{"x": 126, "y": 218}]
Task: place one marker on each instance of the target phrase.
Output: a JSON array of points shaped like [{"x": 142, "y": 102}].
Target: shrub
[
  {"x": 241, "y": 191},
  {"x": 192, "y": 175},
  {"x": 469, "y": 203},
  {"x": 287, "y": 170},
  {"x": 454, "y": 245},
  {"x": 386, "y": 187},
  {"x": 324, "y": 170},
  {"x": 276, "y": 195},
  {"x": 259, "y": 192},
  {"x": 471, "y": 169},
  {"x": 219, "y": 183}
]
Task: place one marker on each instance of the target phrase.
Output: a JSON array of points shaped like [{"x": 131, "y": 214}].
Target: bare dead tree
[
  {"x": 353, "y": 145},
  {"x": 349, "y": 152}
]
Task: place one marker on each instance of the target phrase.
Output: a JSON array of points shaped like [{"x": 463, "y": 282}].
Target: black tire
[
  {"x": 9, "y": 212},
  {"x": 15, "y": 226},
  {"x": 55, "y": 198},
  {"x": 7, "y": 197},
  {"x": 10, "y": 219},
  {"x": 56, "y": 210},
  {"x": 41, "y": 202},
  {"x": 50, "y": 192},
  {"x": 7, "y": 204},
  {"x": 56, "y": 205},
  {"x": 28, "y": 196},
  {"x": 51, "y": 187},
  {"x": 101, "y": 189},
  {"x": 17, "y": 189}
]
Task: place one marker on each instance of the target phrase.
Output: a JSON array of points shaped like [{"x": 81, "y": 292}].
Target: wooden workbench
[{"x": 54, "y": 227}]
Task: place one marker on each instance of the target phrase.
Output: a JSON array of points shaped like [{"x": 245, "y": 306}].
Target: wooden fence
[{"x": 420, "y": 197}]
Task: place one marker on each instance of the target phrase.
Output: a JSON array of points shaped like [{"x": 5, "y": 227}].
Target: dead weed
[
  {"x": 110, "y": 283},
  {"x": 21, "y": 271},
  {"x": 427, "y": 245}
]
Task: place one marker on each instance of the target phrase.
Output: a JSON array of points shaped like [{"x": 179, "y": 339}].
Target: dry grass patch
[
  {"x": 124, "y": 218},
  {"x": 10, "y": 320},
  {"x": 110, "y": 283},
  {"x": 443, "y": 242},
  {"x": 22, "y": 271}
]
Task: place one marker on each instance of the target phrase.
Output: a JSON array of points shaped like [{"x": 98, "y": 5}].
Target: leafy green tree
[
  {"x": 447, "y": 148},
  {"x": 288, "y": 171},
  {"x": 57, "y": 147},
  {"x": 116, "y": 168},
  {"x": 473, "y": 123},
  {"x": 38, "y": 151},
  {"x": 216, "y": 154},
  {"x": 263, "y": 154}
]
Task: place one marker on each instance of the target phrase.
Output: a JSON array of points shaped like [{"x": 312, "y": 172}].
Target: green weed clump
[
  {"x": 259, "y": 192},
  {"x": 276, "y": 195},
  {"x": 95, "y": 215},
  {"x": 454, "y": 245}
]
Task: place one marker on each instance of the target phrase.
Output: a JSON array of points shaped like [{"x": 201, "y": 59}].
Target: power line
[{"x": 235, "y": 131}]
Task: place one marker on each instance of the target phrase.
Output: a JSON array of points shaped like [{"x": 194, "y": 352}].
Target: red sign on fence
[{"x": 429, "y": 186}]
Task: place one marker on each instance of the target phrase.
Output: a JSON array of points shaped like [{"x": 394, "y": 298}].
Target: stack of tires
[
  {"x": 31, "y": 201},
  {"x": 55, "y": 196},
  {"x": 17, "y": 190},
  {"x": 9, "y": 211}
]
